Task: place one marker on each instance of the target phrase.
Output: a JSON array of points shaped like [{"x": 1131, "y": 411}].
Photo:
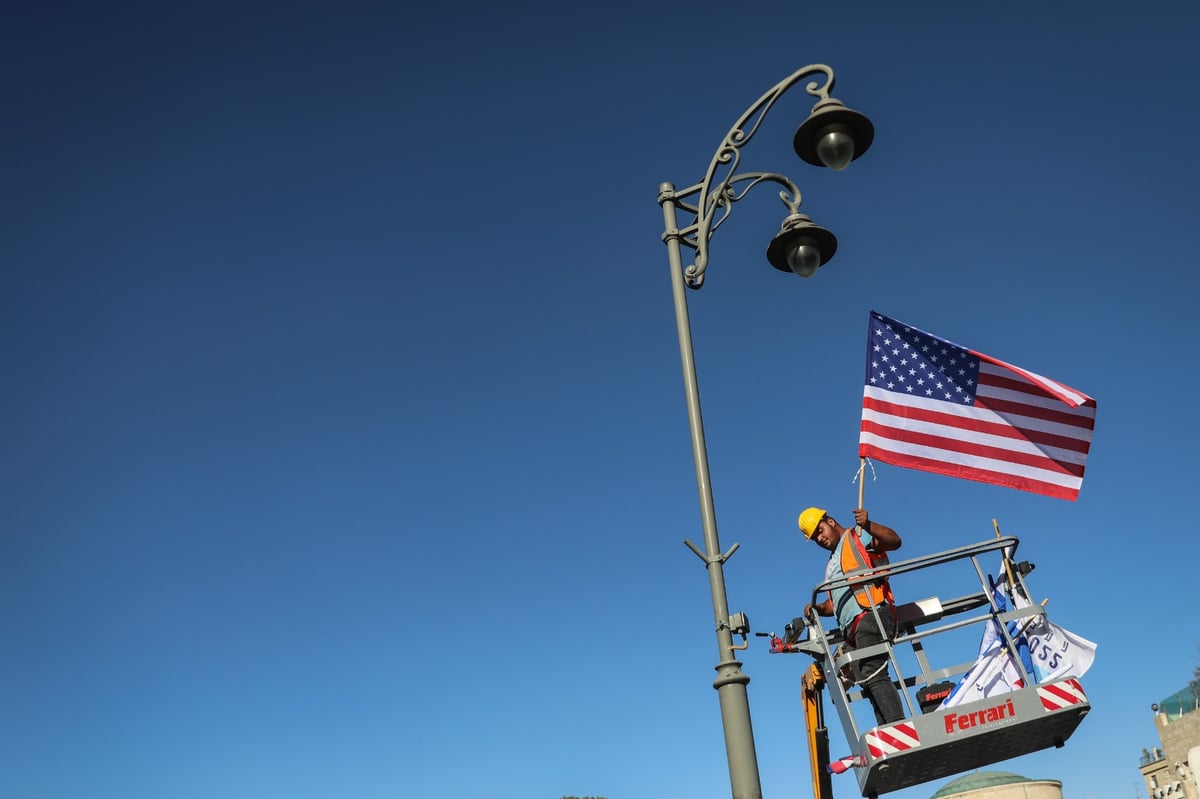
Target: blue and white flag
[
  {"x": 1058, "y": 653},
  {"x": 1047, "y": 652},
  {"x": 995, "y": 671},
  {"x": 1055, "y": 653}
]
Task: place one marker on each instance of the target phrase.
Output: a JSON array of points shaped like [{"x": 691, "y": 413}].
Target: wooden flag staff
[
  {"x": 862, "y": 475},
  {"x": 1008, "y": 566},
  {"x": 1007, "y": 562}
]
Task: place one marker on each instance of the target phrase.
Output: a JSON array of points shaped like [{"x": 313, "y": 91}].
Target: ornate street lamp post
[{"x": 832, "y": 136}]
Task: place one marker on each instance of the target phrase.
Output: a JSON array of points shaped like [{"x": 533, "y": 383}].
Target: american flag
[{"x": 933, "y": 405}]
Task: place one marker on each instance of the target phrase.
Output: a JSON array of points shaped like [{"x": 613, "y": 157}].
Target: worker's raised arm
[{"x": 883, "y": 538}]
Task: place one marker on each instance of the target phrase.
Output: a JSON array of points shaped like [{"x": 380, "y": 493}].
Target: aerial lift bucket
[
  {"x": 933, "y": 741},
  {"x": 964, "y": 737}
]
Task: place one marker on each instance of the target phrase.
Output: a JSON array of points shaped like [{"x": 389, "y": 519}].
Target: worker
[{"x": 853, "y": 608}]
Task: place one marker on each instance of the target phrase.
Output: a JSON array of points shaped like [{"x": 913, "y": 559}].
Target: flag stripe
[
  {"x": 959, "y": 464},
  {"x": 940, "y": 464},
  {"x": 1023, "y": 416},
  {"x": 1052, "y": 387},
  {"x": 1003, "y": 394},
  {"x": 1014, "y": 417},
  {"x": 922, "y": 417},
  {"x": 992, "y": 380},
  {"x": 932, "y": 405},
  {"x": 980, "y": 453}
]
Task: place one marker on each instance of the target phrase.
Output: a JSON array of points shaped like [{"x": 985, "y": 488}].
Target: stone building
[
  {"x": 999, "y": 785},
  {"x": 1171, "y": 770}
]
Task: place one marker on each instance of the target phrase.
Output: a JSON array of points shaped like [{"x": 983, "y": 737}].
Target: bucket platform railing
[{"x": 932, "y": 741}]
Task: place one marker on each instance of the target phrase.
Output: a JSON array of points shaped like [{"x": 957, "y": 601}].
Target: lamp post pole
[
  {"x": 832, "y": 136},
  {"x": 731, "y": 680}
]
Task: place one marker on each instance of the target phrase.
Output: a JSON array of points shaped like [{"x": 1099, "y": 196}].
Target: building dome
[{"x": 981, "y": 780}]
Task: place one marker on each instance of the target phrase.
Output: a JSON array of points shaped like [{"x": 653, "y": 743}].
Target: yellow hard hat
[{"x": 809, "y": 520}]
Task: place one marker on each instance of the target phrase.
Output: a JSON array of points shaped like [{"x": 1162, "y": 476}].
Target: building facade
[{"x": 1171, "y": 770}]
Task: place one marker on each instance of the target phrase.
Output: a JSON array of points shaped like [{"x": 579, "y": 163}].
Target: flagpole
[{"x": 862, "y": 474}]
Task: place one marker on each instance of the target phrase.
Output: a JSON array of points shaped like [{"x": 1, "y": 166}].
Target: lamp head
[
  {"x": 833, "y": 135},
  {"x": 800, "y": 246}
]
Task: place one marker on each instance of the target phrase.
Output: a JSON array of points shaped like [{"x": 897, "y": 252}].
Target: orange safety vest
[{"x": 856, "y": 557}]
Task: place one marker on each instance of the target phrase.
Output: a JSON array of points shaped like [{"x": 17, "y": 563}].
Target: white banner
[
  {"x": 1053, "y": 652},
  {"x": 1058, "y": 653}
]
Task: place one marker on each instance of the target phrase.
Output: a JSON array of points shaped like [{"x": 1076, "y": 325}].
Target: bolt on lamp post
[{"x": 833, "y": 136}]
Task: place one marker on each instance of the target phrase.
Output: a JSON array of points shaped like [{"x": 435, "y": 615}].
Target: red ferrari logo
[{"x": 956, "y": 721}]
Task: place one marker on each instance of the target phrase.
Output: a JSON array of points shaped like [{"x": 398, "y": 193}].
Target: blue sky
[{"x": 346, "y": 445}]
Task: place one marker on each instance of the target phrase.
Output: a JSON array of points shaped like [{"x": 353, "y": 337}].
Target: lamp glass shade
[
  {"x": 835, "y": 147},
  {"x": 830, "y": 116},
  {"x": 804, "y": 257},
  {"x": 800, "y": 246}
]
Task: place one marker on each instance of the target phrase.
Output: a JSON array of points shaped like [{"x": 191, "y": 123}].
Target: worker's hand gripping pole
[{"x": 862, "y": 479}]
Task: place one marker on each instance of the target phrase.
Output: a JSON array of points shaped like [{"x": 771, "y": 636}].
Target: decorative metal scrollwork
[{"x": 711, "y": 200}]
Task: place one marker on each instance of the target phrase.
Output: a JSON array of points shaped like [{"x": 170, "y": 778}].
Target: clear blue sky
[{"x": 346, "y": 451}]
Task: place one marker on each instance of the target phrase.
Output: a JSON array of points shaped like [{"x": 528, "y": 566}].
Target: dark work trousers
[{"x": 872, "y": 673}]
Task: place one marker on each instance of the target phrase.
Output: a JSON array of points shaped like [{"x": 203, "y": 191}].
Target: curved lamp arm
[{"x": 711, "y": 200}]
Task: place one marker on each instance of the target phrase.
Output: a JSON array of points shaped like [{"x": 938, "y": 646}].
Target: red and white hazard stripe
[
  {"x": 844, "y": 764},
  {"x": 893, "y": 739},
  {"x": 1064, "y": 693}
]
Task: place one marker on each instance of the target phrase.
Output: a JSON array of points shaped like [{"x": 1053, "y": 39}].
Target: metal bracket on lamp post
[
  {"x": 698, "y": 234},
  {"x": 710, "y": 202},
  {"x": 721, "y": 558}
]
